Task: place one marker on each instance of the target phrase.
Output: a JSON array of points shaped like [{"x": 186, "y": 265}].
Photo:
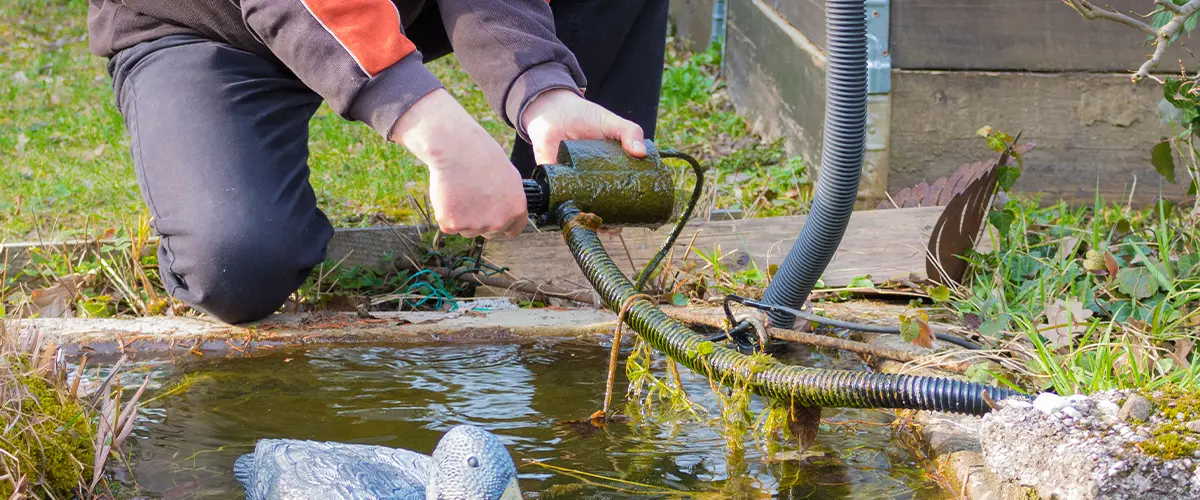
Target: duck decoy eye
[{"x": 473, "y": 462}]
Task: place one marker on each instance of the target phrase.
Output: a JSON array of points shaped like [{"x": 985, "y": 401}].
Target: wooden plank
[
  {"x": 1020, "y": 35},
  {"x": 807, "y": 16},
  {"x": 1086, "y": 126},
  {"x": 692, "y": 20},
  {"x": 885, "y": 244},
  {"x": 776, "y": 77}
]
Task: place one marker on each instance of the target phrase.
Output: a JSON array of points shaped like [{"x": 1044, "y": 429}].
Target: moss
[
  {"x": 52, "y": 443},
  {"x": 1169, "y": 441}
]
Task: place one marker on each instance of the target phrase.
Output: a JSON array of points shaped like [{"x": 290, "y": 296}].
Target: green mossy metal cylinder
[{"x": 599, "y": 177}]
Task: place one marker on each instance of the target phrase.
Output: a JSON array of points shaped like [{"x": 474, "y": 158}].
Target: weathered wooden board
[
  {"x": 692, "y": 20},
  {"x": 808, "y": 16},
  {"x": 1089, "y": 129},
  {"x": 885, "y": 244},
  {"x": 1021, "y": 35},
  {"x": 776, "y": 77}
]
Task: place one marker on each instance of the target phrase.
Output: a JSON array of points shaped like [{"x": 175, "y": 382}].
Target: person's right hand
[{"x": 473, "y": 187}]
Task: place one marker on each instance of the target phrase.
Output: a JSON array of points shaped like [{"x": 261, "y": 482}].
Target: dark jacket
[{"x": 354, "y": 52}]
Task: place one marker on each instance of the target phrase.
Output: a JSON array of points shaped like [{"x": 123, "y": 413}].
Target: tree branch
[{"x": 1162, "y": 36}]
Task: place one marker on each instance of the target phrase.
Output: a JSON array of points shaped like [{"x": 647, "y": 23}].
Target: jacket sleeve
[
  {"x": 351, "y": 52},
  {"x": 510, "y": 50}
]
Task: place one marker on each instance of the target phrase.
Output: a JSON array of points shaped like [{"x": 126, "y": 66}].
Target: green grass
[
  {"x": 67, "y": 165},
  {"x": 1094, "y": 297}
]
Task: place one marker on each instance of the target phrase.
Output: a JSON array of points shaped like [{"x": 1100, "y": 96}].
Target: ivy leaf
[
  {"x": 994, "y": 327},
  {"x": 861, "y": 282},
  {"x": 1136, "y": 282},
  {"x": 939, "y": 293},
  {"x": 1163, "y": 160},
  {"x": 1002, "y": 220},
  {"x": 915, "y": 329},
  {"x": 1006, "y": 177}
]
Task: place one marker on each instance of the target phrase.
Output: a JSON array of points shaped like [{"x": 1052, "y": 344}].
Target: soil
[{"x": 1110, "y": 445}]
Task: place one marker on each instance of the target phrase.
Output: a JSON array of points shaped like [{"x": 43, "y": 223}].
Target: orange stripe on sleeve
[{"x": 368, "y": 29}]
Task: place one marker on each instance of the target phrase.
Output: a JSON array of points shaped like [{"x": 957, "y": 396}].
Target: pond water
[{"x": 408, "y": 395}]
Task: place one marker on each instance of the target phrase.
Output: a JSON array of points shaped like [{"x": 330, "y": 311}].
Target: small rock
[
  {"x": 1014, "y": 403},
  {"x": 1049, "y": 403},
  {"x": 1072, "y": 412},
  {"x": 1108, "y": 408},
  {"x": 1143, "y": 433},
  {"x": 1076, "y": 398},
  {"x": 1136, "y": 407}
]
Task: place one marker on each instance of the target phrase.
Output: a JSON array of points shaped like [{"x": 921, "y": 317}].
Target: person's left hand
[{"x": 560, "y": 114}]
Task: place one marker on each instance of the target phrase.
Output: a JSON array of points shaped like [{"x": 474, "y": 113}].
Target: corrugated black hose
[{"x": 766, "y": 377}]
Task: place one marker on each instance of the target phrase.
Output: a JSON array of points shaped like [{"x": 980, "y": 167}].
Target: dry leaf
[
  {"x": 1066, "y": 248},
  {"x": 925, "y": 337},
  {"x": 1063, "y": 320},
  {"x": 55, "y": 301},
  {"x": 1111, "y": 263},
  {"x": 1140, "y": 360},
  {"x": 1183, "y": 347}
]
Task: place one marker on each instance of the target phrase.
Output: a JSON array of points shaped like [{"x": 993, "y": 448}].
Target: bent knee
[{"x": 235, "y": 275}]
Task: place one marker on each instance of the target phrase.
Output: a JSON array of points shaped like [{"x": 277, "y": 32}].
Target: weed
[
  {"x": 1101, "y": 297},
  {"x": 53, "y": 444}
]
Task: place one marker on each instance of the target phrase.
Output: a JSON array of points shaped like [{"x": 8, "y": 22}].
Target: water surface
[{"x": 407, "y": 396}]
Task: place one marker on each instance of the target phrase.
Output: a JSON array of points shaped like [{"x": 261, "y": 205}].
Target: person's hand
[
  {"x": 560, "y": 114},
  {"x": 473, "y": 187}
]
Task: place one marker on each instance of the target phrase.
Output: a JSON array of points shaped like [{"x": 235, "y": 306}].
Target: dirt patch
[{"x": 1095, "y": 447}]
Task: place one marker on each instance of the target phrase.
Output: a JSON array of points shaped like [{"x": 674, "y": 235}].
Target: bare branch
[
  {"x": 1162, "y": 36},
  {"x": 1168, "y": 5},
  {"x": 1090, "y": 11}
]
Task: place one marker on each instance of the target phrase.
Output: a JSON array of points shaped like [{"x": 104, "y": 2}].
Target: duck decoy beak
[{"x": 513, "y": 491}]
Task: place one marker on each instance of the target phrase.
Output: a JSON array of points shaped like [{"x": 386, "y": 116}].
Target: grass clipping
[{"x": 53, "y": 444}]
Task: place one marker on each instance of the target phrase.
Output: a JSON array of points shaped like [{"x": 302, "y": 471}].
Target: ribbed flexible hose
[
  {"x": 768, "y": 378},
  {"x": 842, "y": 152}
]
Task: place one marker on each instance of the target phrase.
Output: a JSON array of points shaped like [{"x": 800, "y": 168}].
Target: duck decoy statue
[{"x": 468, "y": 463}]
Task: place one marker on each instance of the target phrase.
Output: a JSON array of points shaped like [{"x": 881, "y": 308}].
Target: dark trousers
[{"x": 219, "y": 138}]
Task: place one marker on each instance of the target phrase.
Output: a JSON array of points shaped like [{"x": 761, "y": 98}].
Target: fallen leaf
[
  {"x": 55, "y": 301},
  {"x": 1063, "y": 319},
  {"x": 1137, "y": 282},
  {"x": 939, "y": 293},
  {"x": 1066, "y": 249},
  {"x": 1183, "y": 347},
  {"x": 915, "y": 329},
  {"x": 1111, "y": 263}
]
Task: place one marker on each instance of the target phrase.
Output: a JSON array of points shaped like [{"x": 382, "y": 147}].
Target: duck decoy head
[{"x": 471, "y": 463}]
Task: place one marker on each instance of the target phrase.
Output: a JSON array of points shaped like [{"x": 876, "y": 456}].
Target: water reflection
[{"x": 407, "y": 396}]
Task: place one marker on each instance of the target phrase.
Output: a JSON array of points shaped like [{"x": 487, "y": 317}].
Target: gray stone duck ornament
[{"x": 468, "y": 463}]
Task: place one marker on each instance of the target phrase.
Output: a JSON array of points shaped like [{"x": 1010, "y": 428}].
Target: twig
[
  {"x": 818, "y": 340},
  {"x": 1162, "y": 36}
]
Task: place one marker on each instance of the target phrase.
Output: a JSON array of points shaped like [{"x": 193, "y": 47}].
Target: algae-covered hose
[
  {"x": 842, "y": 152},
  {"x": 768, "y": 378}
]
